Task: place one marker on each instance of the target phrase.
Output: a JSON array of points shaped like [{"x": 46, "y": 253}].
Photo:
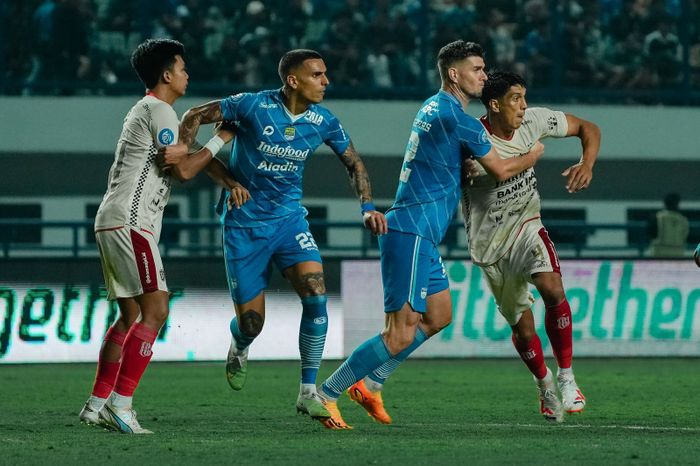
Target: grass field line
[{"x": 589, "y": 426}]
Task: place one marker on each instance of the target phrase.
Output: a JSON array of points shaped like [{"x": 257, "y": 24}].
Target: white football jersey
[
  {"x": 495, "y": 211},
  {"x": 137, "y": 189}
]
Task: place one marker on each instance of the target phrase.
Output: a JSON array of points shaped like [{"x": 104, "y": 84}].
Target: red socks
[
  {"x": 107, "y": 370},
  {"x": 557, "y": 322},
  {"x": 135, "y": 357},
  {"x": 531, "y": 354}
]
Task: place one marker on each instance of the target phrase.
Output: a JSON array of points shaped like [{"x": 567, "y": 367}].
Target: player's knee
[
  {"x": 433, "y": 327},
  {"x": 524, "y": 334},
  {"x": 250, "y": 323},
  {"x": 398, "y": 341},
  {"x": 155, "y": 317},
  {"x": 553, "y": 295},
  {"x": 313, "y": 284}
]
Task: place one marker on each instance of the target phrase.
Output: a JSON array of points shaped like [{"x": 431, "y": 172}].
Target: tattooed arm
[
  {"x": 203, "y": 114},
  {"x": 173, "y": 156},
  {"x": 373, "y": 220}
]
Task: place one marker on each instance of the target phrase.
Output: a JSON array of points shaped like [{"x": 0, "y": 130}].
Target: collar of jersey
[
  {"x": 294, "y": 118},
  {"x": 449, "y": 96}
]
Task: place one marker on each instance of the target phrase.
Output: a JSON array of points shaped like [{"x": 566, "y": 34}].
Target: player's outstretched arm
[
  {"x": 196, "y": 116},
  {"x": 502, "y": 169},
  {"x": 579, "y": 176},
  {"x": 185, "y": 167},
  {"x": 359, "y": 179}
]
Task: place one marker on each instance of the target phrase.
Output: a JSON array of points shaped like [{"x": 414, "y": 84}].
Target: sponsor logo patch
[{"x": 166, "y": 136}]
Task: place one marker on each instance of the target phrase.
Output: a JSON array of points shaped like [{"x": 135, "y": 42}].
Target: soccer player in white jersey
[
  {"x": 127, "y": 229},
  {"x": 510, "y": 244}
]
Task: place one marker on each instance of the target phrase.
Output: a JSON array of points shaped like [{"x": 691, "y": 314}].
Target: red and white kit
[
  {"x": 506, "y": 237},
  {"x": 129, "y": 220}
]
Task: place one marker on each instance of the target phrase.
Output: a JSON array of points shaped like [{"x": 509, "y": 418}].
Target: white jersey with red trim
[
  {"x": 137, "y": 189},
  {"x": 495, "y": 211}
]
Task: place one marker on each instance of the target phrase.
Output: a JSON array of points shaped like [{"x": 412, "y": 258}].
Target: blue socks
[
  {"x": 312, "y": 336},
  {"x": 383, "y": 372},
  {"x": 368, "y": 356}
]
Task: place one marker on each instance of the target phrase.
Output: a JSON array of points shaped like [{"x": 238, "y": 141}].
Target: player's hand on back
[
  {"x": 578, "y": 177},
  {"x": 471, "y": 169},
  {"x": 238, "y": 196},
  {"x": 375, "y": 222},
  {"x": 169, "y": 156}
]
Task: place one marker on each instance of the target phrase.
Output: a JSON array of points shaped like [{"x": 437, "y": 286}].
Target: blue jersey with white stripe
[
  {"x": 269, "y": 152},
  {"x": 442, "y": 135}
]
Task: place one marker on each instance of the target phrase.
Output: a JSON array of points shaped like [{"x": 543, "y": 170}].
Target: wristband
[
  {"x": 366, "y": 207},
  {"x": 214, "y": 145}
]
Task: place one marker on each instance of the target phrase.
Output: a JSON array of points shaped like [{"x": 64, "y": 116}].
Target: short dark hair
[
  {"x": 294, "y": 58},
  {"x": 498, "y": 84},
  {"x": 457, "y": 51},
  {"x": 153, "y": 56}
]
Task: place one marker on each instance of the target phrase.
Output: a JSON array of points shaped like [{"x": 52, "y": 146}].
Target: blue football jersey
[
  {"x": 442, "y": 135},
  {"x": 269, "y": 152}
]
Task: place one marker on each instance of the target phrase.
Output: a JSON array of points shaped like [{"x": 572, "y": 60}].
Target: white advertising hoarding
[
  {"x": 619, "y": 308},
  {"x": 67, "y": 324}
]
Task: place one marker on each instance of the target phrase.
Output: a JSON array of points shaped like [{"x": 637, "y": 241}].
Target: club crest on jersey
[
  {"x": 166, "y": 136},
  {"x": 289, "y": 133}
]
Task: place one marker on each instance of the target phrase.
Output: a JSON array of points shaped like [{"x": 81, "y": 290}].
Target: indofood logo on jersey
[{"x": 285, "y": 152}]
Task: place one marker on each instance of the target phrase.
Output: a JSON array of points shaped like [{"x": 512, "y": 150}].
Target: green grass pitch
[{"x": 640, "y": 411}]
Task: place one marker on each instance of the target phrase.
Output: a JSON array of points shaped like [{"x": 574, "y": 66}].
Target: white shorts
[
  {"x": 131, "y": 262},
  {"x": 508, "y": 279}
]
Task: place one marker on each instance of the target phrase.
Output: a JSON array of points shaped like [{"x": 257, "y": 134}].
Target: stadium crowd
[{"x": 372, "y": 47}]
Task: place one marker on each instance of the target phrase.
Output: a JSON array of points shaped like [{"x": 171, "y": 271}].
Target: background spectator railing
[
  {"x": 584, "y": 51},
  {"x": 196, "y": 238}
]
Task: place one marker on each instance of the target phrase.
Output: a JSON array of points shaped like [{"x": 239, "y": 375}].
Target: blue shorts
[
  {"x": 412, "y": 270},
  {"x": 249, "y": 252}
]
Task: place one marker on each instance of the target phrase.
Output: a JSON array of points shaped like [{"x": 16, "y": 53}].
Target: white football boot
[
  {"x": 550, "y": 406},
  {"x": 89, "y": 415},
  {"x": 121, "y": 420},
  {"x": 571, "y": 396}
]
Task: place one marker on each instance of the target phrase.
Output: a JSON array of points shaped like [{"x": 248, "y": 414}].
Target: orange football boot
[
  {"x": 371, "y": 401},
  {"x": 335, "y": 422}
]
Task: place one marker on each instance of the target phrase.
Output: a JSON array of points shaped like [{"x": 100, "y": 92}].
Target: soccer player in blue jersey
[
  {"x": 275, "y": 132},
  {"x": 417, "y": 301}
]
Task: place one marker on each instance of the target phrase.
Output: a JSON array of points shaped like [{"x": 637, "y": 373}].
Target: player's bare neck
[
  {"x": 296, "y": 105},
  {"x": 499, "y": 129},
  {"x": 452, "y": 88},
  {"x": 163, "y": 93}
]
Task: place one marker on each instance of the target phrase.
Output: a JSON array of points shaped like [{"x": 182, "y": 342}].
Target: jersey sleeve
[
  {"x": 336, "y": 138},
  {"x": 472, "y": 136},
  {"x": 235, "y": 107},
  {"x": 549, "y": 123},
  {"x": 164, "y": 125}
]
